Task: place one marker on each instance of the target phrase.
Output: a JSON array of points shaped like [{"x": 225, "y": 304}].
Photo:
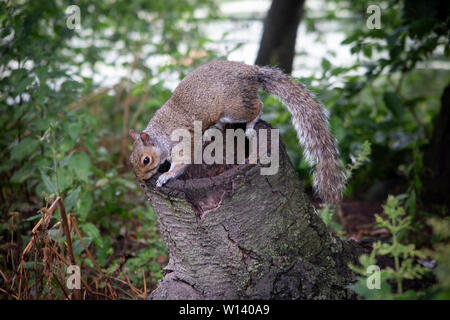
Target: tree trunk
[
  {"x": 437, "y": 157},
  {"x": 233, "y": 233},
  {"x": 277, "y": 46}
]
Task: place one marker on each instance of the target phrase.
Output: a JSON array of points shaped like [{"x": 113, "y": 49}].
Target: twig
[
  {"x": 57, "y": 254},
  {"x": 88, "y": 288},
  {"x": 133, "y": 288},
  {"x": 91, "y": 257},
  {"x": 57, "y": 236},
  {"x": 66, "y": 230},
  {"x": 3, "y": 276},
  {"x": 145, "y": 283},
  {"x": 62, "y": 211},
  {"x": 127, "y": 293},
  {"x": 13, "y": 295},
  {"x": 61, "y": 286},
  {"x": 20, "y": 278},
  {"x": 37, "y": 225},
  {"x": 68, "y": 223}
]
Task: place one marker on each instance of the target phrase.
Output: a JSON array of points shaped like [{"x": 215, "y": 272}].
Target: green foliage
[
  {"x": 406, "y": 268},
  {"x": 404, "y": 256},
  {"x": 361, "y": 287},
  {"x": 397, "y": 224},
  {"x": 327, "y": 213},
  {"x": 382, "y": 96},
  {"x": 441, "y": 253},
  {"x": 63, "y": 135},
  {"x": 361, "y": 157},
  {"x": 414, "y": 171}
]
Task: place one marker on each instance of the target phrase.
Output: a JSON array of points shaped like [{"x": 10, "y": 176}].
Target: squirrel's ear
[
  {"x": 146, "y": 139},
  {"x": 134, "y": 134}
]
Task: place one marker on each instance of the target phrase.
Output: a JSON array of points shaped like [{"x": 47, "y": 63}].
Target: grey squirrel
[{"x": 223, "y": 92}]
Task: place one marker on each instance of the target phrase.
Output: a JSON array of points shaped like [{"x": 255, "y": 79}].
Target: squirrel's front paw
[{"x": 162, "y": 179}]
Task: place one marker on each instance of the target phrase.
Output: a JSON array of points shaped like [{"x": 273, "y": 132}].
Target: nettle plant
[{"x": 403, "y": 255}]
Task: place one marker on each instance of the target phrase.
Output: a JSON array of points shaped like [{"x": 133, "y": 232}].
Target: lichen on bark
[{"x": 233, "y": 233}]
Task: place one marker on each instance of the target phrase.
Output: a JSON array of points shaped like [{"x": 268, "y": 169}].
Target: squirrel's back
[
  {"x": 205, "y": 94},
  {"x": 216, "y": 84},
  {"x": 229, "y": 90}
]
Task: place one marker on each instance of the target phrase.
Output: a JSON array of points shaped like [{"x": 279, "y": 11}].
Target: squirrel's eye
[{"x": 146, "y": 161}]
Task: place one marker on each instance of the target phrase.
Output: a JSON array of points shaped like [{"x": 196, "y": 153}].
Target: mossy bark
[{"x": 233, "y": 233}]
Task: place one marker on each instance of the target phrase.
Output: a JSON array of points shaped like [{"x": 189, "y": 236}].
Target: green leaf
[
  {"x": 24, "y": 84},
  {"x": 6, "y": 165},
  {"x": 24, "y": 148},
  {"x": 367, "y": 50},
  {"x": 102, "y": 253},
  {"x": 394, "y": 103},
  {"x": 65, "y": 179},
  {"x": 51, "y": 188},
  {"x": 42, "y": 73},
  {"x": 78, "y": 246},
  {"x": 360, "y": 287},
  {"x": 71, "y": 85},
  {"x": 70, "y": 201},
  {"x": 93, "y": 232},
  {"x": 81, "y": 164},
  {"x": 85, "y": 205},
  {"x": 33, "y": 264},
  {"x": 126, "y": 183},
  {"x": 352, "y": 38},
  {"x": 66, "y": 144},
  {"x": 411, "y": 203},
  {"x": 73, "y": 129},
  {"x": 33, "y": 218},
  {"x": 326, "y": 64},
  {"x": 23, "y": 173}
]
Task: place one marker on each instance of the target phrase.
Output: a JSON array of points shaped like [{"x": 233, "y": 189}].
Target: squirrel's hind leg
[{"x": 249, "y": 131}]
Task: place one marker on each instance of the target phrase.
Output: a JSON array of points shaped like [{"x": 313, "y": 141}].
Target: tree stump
[{"x": 233, "y": 233}]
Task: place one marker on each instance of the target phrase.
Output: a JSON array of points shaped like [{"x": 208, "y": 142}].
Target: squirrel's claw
[{"x": 162, "y": 179}]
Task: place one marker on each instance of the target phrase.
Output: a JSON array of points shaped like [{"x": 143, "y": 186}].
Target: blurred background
[{"x": 75, "y": 76}]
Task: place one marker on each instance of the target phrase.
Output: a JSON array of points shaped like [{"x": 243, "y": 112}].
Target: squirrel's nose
[{"x": 147, "y": 175}]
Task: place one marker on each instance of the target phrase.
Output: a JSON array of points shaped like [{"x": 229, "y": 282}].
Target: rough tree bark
[
  {"x": 437, "y": 157},
  {"x": 277, "y": 46},
  {"x": 233, "y": 233}
]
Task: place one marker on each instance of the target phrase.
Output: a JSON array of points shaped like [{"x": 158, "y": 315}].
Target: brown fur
[
  {"x": 229, "y": 90},
  {"x": 146, "y": 150}
]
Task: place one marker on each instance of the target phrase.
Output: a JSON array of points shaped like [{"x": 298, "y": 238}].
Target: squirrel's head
[{"x": 144, "y": 158}]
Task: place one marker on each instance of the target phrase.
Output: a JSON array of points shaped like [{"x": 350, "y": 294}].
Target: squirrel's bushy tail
[{"x": 310, "y": 120}]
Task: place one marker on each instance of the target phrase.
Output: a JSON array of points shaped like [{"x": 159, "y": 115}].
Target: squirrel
[{"x": 222, "y": 92}]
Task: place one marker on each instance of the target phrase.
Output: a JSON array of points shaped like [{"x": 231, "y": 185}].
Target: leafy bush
[
  {"x": 405, "y": 266},
  {"x": 62, "y": 135},
  {"x": 441, "y": 253}
]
